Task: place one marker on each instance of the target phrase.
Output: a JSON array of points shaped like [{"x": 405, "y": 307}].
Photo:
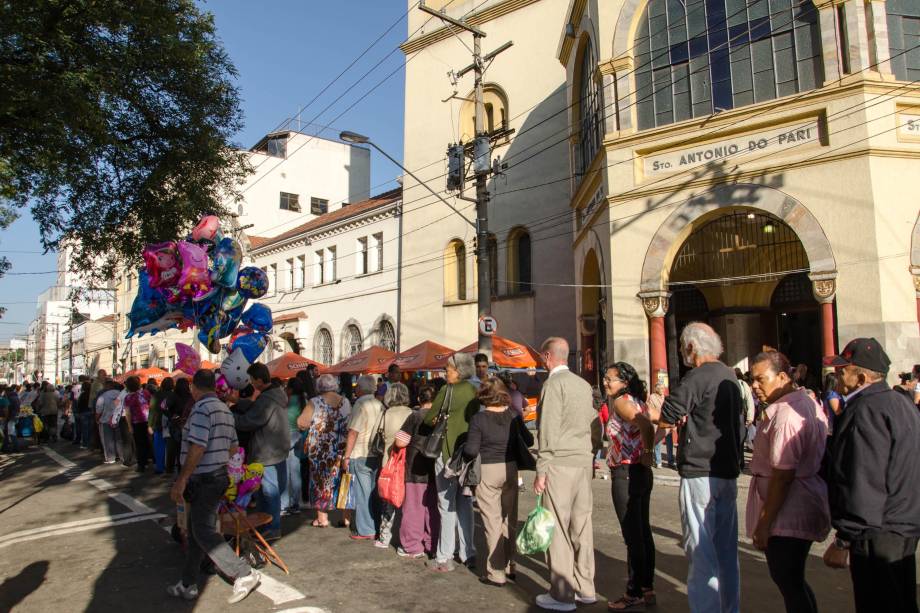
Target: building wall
[
  {"x": 534, "y": 84},
  {"x": 314, "y": 167},
  {"x": 352, "y": 298}
]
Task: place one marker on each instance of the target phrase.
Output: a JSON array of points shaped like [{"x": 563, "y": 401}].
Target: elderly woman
[
  {"x": 325, "y": 418},
  {"x": 495, "y": 435},
  {"x": 456, "y": 403},
  {"x": 396, "y": 399},
  {"x": 787, "y": 507},
  {"x": 419, "y": 525}
]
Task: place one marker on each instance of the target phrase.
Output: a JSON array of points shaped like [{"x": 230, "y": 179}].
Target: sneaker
[
  {"x": 402, "y": 553},
  {"x": 545, "y": 601},
  {"x": 360, "y": 537},
  {"x": 381, "y": 545},
  {"x": 109, "y": 462},
  {"x": 579, "y": 599},
  {"x": 470, "y": 563},
  {"x": 441, "y": 567},
  {"x": 285, "y": 512},
  {"x": 179, "y": 590},
  {"x": 294, "y": 510},
  {"x": 243, "y": 586}
]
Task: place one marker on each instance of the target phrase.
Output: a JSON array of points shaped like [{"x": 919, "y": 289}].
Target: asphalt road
[{"x": 76, "y": 535}]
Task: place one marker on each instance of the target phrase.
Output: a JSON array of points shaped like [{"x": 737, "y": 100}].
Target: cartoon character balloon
[
  {"x": 252, "y": 282},
  {"x": 163, "y": 264},
  {"x": 251, "y": 345},
  {"x": 207, "y": 229},
  {"x": 148, "y": 306},
  {"x": 234, "y": 368},
  {"x": 235, "y": 469},
  {"x": 188, "y": 359},
  {"x": 195, "y": 280},
  {"x": 227, "y": 257}
]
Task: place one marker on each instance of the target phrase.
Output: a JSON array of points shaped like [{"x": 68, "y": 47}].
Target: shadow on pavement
[{"x": 15, "y": 589}]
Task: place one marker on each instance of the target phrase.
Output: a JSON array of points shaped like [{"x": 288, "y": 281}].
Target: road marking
[
  {"x": 275, "y": 590},
  {"x": 94, "y": 525},
  {"x": 70, "y": 524},
  {"x": 303, "y": 610}
]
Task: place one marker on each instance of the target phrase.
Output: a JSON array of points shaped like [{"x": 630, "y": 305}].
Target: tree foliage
[{"x": 115, "y": 122}]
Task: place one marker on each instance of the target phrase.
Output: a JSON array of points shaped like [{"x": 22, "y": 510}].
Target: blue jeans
[
  {"x": 709, "y": 518},
  {"x": 292, "y": 494},
  {"x": 86, "y": 423},
  {"x": 159, "y": 451},
  {"x": 367, "y": 509},
  {"x": 269, "y": 501},
  {"x": 455, "y": 508},
  {"x": 669, "y": 443}
]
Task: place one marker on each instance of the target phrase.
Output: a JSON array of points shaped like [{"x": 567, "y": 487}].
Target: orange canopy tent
[
  {"x": 427, "y": 355},
  {"x": 373, "y": 361},
  {"x": 289, "y": 364},
  {"x": 157, "y": 374},
  {"x": 509, "y": 354}
]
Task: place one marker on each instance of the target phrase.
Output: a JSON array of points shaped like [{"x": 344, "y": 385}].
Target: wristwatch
[{"x": 839, "y": 543}]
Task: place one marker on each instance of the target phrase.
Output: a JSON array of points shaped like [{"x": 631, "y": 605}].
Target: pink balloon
[
  {"x": 195, "y": 280},
  {"x": 188, "y": 359},
  {"x": 163, "y": 264},
  {"x": 206, "y": 229}
]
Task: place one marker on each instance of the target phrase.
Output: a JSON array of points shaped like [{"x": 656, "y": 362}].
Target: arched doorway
[
  {"x": 744, "y": 272},
  {"x": 292, "y": 343},
  {"x": 592, "y": 323}
]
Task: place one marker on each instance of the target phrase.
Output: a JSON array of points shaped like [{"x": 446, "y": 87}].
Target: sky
[{"x": 286, "y": 52}]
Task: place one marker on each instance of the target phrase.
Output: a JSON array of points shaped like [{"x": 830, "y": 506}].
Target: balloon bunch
[{"x": 198, "y": 283}]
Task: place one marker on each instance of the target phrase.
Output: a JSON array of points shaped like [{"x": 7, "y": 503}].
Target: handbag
[
  {"x": 302, "y": 446},
  {"x": 525, "y": 459},
  {"x": 434, "y": 442},
  {"x": 391, "y": 484},
  {"x": 378, "y": 444}
]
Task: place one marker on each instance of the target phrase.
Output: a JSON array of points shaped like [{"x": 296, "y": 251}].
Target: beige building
[
  {"x": 749, "y": 164},
  {"x": 531, "y": 260}
]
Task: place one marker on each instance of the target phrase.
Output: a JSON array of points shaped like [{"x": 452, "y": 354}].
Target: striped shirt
[{"x": 210, "y": 425}]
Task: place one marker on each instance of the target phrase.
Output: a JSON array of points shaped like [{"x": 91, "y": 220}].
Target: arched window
[
  {"x": 455, "y": 271},
  {"x": 705, "y": 56},
  {"x": 519, "y": 261},
  {"x": 323, "y": 350},
  {"x": 589, "y": 116},
  {"x": 904, "y": 38},
  {"x": 386, "y": 335},
  {"x": 352, "y": 341},
  {"x": 495, "y": 113}
]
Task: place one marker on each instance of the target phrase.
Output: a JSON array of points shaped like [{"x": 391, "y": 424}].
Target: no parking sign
[{"x": 487, "y": 325}]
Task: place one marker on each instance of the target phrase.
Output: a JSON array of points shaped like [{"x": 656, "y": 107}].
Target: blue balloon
[
  {"x": 148, "y": 309},
  {"x": 251, "y": 345},
  {"x": 258, "y": 317}
]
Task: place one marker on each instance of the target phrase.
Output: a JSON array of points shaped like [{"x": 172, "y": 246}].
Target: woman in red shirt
[{"x": 629, "y": 457}]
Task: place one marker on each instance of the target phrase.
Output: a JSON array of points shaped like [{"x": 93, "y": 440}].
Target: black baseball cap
[{"x": 863, "y": 352}]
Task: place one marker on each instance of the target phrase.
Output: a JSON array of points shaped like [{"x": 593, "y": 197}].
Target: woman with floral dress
[
  {"x": 325, "y": 418},
  {"x": 631, "y": 437}
]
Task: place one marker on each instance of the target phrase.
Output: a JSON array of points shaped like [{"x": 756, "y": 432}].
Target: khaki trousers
[
  {"x": 497, "y": 494},
  {"x": 570, "y": 557}
]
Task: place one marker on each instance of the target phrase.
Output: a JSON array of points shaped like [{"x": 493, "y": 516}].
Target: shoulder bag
[
  {"x": 378, "y": 444},
  {"x": 434, "y": 442}
]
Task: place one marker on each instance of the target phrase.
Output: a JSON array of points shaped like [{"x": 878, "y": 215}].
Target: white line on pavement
[
  {"x": 70, "y": 524},
  {"x": 93, "y": 526}
]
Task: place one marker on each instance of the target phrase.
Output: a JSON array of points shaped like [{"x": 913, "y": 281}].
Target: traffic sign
[{"x": 488, "y": 325}]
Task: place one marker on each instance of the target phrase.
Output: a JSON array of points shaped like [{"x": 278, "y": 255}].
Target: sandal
[
  {"x": 627, "y": 603},
  {"x": 648, "y": 594},
  {"x": 318, "y": 524}
]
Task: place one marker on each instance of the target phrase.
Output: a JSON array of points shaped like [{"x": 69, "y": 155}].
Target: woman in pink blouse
[{"x": 787, "y": 506}]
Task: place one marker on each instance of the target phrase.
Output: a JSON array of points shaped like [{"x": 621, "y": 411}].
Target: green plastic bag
[{"x": 537, "y": 533}]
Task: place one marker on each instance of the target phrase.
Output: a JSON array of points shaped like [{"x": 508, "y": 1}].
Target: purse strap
[{"x": 448, "y": 396}]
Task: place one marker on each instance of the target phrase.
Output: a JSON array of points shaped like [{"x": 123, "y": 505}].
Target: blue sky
[{"x": 286, "y": 52}]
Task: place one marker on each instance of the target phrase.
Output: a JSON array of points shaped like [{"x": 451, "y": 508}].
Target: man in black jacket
[{"x": 875, "y": 483}]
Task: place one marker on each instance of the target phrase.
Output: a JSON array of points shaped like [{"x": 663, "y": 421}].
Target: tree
[{"x": 115, "y": 123}]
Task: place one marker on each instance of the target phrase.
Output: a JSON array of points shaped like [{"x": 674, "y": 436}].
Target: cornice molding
[{"x": 484, "y": 16}]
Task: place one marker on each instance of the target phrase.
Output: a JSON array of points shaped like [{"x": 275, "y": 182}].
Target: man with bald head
[
  {"x": 565, "y": 458},
  {"x": 709, "y": 461}
]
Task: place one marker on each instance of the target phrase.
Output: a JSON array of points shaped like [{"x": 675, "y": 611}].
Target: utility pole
[{"x": 482, "y": 167}]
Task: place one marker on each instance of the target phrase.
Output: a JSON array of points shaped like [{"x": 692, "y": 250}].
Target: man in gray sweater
[
  {"x": 566, "y": 430},
  {"x": 270, "y": 442}
]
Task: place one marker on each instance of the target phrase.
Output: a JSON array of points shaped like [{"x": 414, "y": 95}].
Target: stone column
[
  {"x": 880, "y": 51},
  {"x": 857, "y": 35},
  {"x": 824, "y": 288},
  {"x": 656, "y": 307},
  {"x": 618, "y": 94}
]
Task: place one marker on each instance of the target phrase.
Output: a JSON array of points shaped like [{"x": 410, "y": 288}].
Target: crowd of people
[{"x": 839, "y": 459}]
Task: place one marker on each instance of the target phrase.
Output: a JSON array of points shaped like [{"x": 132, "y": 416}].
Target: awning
[
  {"x": 427, "y": 355},
  {"x": 509, "y": 354},
  {"x": 372, "y": 361},
  {"x": 289, "y": 365}
]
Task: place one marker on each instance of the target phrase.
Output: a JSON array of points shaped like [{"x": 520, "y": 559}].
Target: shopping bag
[
  {"x": 537, "y": 533},
  {"x": 345, "y": 498},
  {"x": 391, "y": 484},
  {"x": 37, "y": 424}
]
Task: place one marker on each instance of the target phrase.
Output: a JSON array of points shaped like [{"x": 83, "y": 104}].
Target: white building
[
  {"x": 298, "y": 177},
  {"x": 334, "y": 281},
  {"x": 47, "y": 351}
]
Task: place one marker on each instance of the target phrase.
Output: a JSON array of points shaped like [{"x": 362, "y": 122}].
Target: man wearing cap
[{"x": 875, "y": 483}]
